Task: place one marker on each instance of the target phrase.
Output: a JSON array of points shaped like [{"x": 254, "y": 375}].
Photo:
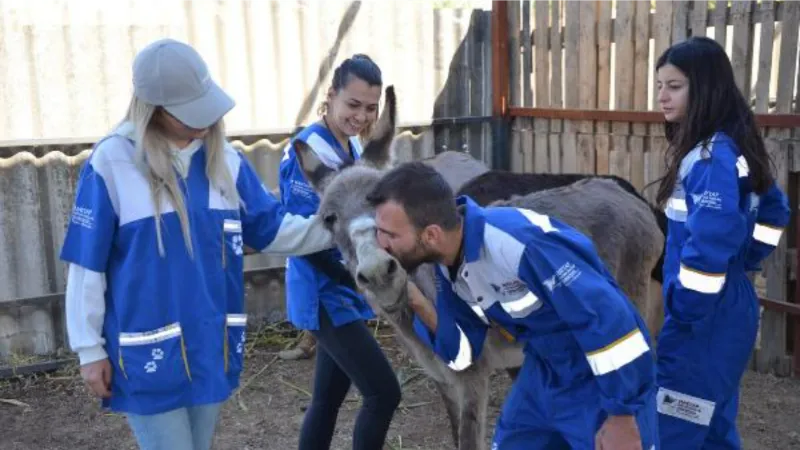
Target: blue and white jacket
[
  {"x": 306, "y": 287},
  {"x": 543, "y": 282},
  {"x": 173, "y": 327},
  {"x": 718, "y": 227}
]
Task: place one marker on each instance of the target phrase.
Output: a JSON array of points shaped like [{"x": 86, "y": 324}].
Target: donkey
[
  {"x": 496, "y": 185},
  {"x": 631, "y": 242}
]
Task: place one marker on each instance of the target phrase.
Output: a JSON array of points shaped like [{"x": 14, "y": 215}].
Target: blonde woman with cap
[{"x": 164, "y": 206}]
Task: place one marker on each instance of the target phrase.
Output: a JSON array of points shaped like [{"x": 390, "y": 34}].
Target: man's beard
[{"x": 419, "y": 255}]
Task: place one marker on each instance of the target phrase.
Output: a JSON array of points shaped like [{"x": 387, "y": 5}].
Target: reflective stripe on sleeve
[
  {"x": 618, "y": 354},
  {"x": 522, "y": 306},
  {"x": 705, "y": 283},
  {"x": 767, "y": 234}
]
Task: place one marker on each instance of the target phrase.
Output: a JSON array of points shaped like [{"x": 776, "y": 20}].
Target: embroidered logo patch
[
  {"x": 509, "y": 287},
  {"x": 684, "y": 406},
  {"x": 83, "y": 217},
  {"x": 564, "y": 276},
  {"x": 708, "y": 199}
]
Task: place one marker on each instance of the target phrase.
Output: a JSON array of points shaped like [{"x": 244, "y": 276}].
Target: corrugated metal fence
[
  {"x": 65, "y": 66},
  {"x": 65, "y": 80},
  {"x": 36, "y": 195}
]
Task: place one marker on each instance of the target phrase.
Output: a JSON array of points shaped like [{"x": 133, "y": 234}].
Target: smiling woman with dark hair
[{"x": 330, "y": 309}]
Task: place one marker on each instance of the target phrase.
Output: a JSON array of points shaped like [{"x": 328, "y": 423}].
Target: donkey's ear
[
  {"x": 378, "y": 147},
  {"x": 317, "y": 173}
]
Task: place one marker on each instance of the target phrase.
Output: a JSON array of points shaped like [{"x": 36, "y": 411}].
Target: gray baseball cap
[{"x": 171, "y": 74}]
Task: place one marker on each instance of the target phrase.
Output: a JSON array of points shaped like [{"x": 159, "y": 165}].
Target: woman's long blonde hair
[{"x": 155, "y": 159}]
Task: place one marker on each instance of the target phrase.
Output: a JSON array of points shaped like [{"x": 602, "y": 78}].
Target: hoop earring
[{"x": 323, "y": 108}]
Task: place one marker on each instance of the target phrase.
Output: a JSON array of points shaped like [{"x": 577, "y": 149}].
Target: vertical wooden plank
[
  {"x": 699, "y": 17},
  {"x": 477, "y": 37},
  {"x": 657, "y": 146},
  {"x": 742, "y": 53},
  {"x": 767, "y": 8},
  {"x": 719, "y": 17},
  {"x": 542, "y": 126},
  {"x": 556, "y": 99},
  {"x": 572, "y": 31},
  {"x": 680, "y": 20},
  {"x": 556, "y": 50},
  {"x": 588, "y": 84},
  {"x": 787, "y": 59},
  {"x": 624, "y": 40},
  {"x": 543, "y": 46},
  {"x": 604, "y": 32},
  {"x": 487, "y": 89},
  {"x": 773, "y": 324},
  {"x": 515, "y": 94},
  {"x": 514, "y": 62},
  {"x": 771, "y": 355},
  {"x": 440, "y": 58},
  {"x": 641, "y": 66},
  {"x": 459, "y": 80},
  {"x": 527, "y": 55},
  {"x": 526, "y": 124},
  {"x": 662, "y": 23}
]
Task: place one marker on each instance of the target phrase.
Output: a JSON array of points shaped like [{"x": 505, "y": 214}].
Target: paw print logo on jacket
[
  {"x": 240, "y": 344},
  {"x": 150, "y": 367},
  {"x": 157, "y": 354},
  {"x": 237, "y": 245}
]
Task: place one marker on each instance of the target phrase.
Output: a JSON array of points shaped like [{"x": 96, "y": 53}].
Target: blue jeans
[{"x": 180, "y": 429}]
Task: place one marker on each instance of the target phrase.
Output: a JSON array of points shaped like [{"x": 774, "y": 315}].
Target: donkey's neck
[{"x": 402, "y": 320}]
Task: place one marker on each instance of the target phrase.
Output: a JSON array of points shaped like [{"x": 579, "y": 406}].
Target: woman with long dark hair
[{"x": 726, "y": 214}]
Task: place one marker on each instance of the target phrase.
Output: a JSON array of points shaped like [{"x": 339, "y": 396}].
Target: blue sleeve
[
  {"x": 297, "y": 195},
  {"x": 459, "y": 335},
  {"x": 93, "y": 223},
  {"x": 772, "y": 217},
  {"x": 267, "y": 227},
  {"x": 716, "y": 228},
  {"x": 563, "y": 266}
]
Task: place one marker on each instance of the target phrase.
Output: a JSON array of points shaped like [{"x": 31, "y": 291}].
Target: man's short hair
[{"x": 422, "y": 192}]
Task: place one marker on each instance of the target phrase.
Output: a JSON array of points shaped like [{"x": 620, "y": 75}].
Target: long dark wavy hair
[{"x": 715, "y": 104}]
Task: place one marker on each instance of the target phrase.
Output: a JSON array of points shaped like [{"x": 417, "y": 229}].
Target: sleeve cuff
[
  {"x": 92, "y": 354},
  {"x": 627, "y": 407}
]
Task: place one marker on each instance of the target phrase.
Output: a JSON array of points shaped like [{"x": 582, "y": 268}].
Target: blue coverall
[
  {"x": 718, "y": 230},
  {"x": 586, "y": 347}
]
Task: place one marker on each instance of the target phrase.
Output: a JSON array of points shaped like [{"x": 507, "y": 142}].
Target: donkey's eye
[{"x": 330, "y": 220}]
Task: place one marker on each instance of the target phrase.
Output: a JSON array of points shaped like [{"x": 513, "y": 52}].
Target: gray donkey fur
[{"x": 622, "y": 228}]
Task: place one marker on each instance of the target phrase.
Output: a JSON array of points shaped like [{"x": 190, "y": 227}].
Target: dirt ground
[{"x": 53, "y": 411}]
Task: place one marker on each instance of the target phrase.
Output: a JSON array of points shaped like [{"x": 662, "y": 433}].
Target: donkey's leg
[
  {"x": 451, "y": 405},
  {"x": 474, "y": 389}
]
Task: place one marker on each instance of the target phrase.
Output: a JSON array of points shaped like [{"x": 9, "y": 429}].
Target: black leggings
[{"x": 344, "y": 354}]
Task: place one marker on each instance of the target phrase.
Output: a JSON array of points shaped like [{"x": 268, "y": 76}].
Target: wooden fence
[{"x": 579, "y": 94}]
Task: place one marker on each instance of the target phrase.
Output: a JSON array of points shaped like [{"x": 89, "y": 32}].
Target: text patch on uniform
[{"x": 684, "y": 406}]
